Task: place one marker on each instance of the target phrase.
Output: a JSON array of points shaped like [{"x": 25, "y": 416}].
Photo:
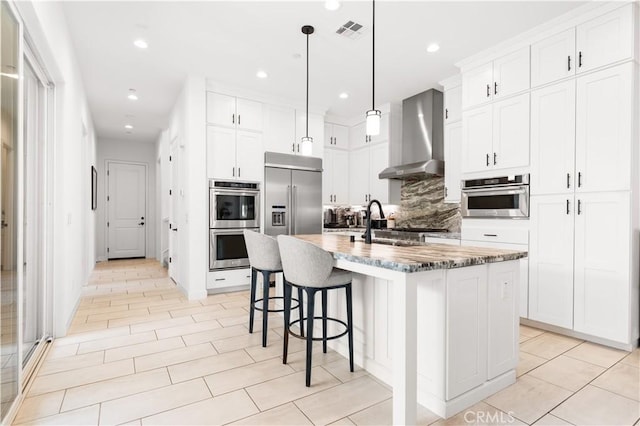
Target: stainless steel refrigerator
[{"x": 293, "y": 194}]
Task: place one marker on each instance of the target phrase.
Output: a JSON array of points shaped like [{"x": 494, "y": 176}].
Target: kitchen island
[{"x": 439, "y": 323}]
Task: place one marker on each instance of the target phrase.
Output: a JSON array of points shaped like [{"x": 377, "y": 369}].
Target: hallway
[{"x": 139, "y": 353}]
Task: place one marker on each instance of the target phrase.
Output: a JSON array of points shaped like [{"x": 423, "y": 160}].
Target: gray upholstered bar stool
[
  {"x": 308, "y": 267},
  {"x": 264, "y": 257}
]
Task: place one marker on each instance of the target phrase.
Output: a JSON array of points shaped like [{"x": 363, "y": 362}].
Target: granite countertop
[{"x": 410, "y": 257}]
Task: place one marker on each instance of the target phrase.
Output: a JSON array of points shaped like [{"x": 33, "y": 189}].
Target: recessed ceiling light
[
  {"x": 433, "y": 47},
  {"x": 140, "y": 43},
  {"x": 128, "y": 126},
  {"x": 332, "y": 4},
  {"x": 261, "y": 74},
  {"x": 343, "y": 95},
  {"x": 132, "y": 95}
]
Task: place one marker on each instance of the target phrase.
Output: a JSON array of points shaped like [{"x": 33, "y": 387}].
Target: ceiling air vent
[{"x": 351, "y": 30}]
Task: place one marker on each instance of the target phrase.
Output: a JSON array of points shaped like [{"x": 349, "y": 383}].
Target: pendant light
[
  {"x": 306, "y": 144},
  {"x": 374, "y": 116}
]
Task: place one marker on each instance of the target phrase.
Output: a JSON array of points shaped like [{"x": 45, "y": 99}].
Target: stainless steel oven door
[
  {"x": 229, "y": 208},
  {"x": 507, "y": 202},
  {"x": 227, "y": 249}
]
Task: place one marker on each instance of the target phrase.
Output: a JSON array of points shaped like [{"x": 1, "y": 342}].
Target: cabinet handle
[
  {"x": 495, "y": 158},
  {"x": 233, "y": 119},
  {"x": 490, "y": 235},
  {"x": 298, "y": 147},
  {"x": 446, "y": 113},
  {"x": 487, "y": 159},
  {"x": 238, "y": 119},
  {"x": 488, "y": 90},
  {"x": 579, "y": 179},
  {"x": 568, "y": 178},
  {"x": 495, "y": 87},
  {"x": 293, "y": 147},
  {"x": 238, "y": 167},
  {"x": 569, "y": 63},
  {"x": 446, "y": 192},
  {"x": 220, "y": 279},
  {"x": 579, "y": 59},
  {"x": 234, "y": 172},
  {"x": 579, "y": 207},
  {"x": 567, "y": 206}
]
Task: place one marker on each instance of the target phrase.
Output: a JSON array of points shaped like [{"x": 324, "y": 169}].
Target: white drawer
[
  {"x": 228, "y": 278},
  {"x": 510, "y": 231}
]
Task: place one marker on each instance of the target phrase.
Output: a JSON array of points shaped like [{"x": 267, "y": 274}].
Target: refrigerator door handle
[
  {"x": 294, "y": 211},
  {"x": 290, "y": 205}
]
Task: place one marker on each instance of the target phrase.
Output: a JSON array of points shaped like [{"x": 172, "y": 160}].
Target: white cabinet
[
  {"x": 359, "y": 176},
  {"x": 279, "y": 132},
  {"x": 602, "y": 265},
  {"x": 364, "y": 184},
  {"x": 453, "y": 105},
  {"x": 452, "y": 162},
  {"x": 316, "y": 131},
  {"x": 234, "y": 154},
  {"x": 496, "y": 136},
  {"x": 551, "y": 260},
  {"x": 229, "y": 111},
  {"x": 334, "y": 177},
  {"x": 553, "y": 58},
  {"x": 604, "y": 126},
  {"x": 553, "y": 125},
  {"x": 504, "y": 76},
  {"x": 336, "y": 136},
  {"x": 606, "y": 39},
  {"x": 378, "y": 161},
  {"x": 358, "y": 137}
]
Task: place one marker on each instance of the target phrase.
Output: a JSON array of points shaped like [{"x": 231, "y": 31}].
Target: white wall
[
  {"x": 73, "y": 152},
  {"x": 125, "y": 151}
]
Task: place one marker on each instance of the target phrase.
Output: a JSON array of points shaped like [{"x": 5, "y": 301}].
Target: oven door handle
[
  {"x": 494, "y": 191},
  {"x": 244, "y": 192}
]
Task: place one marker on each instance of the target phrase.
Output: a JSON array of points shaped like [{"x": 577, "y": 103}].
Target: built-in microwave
[
  {"x": 227, "y": 248},
  {"x": 234, "y": 205},
  {"x": 500, "y": 197}
]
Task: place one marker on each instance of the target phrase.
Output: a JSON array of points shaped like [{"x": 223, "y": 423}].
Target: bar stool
[
  {"x": 308, "y": 267},
  {"x": 264, "y": 257}
]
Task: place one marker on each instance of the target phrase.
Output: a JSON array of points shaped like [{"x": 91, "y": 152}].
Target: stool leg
[
  {"x": 324, "y": 321},
  {"x": 301, "y": 309},
  {"x": 311, "y": 298},
  {"x": 286, "y": 287},
  {"x": 350, "y": 325},
  {"x": 265, "y": 306},
  {"x": 252, "y": 298}
]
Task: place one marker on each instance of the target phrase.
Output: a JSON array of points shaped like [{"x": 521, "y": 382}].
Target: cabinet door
[
  {"x": 551, "y": 259},
  {"x": 328, "y": 135},
  {"x": 553, "y": 138},
  {"x": 476, "y": 86},
  {"x": 249, "y": 115},
  {"x": 358, "y": 136},
  {"x": 221, "y": 109},
  {"x": 453, "y": 105},
  {"x": 340, "y": 136},
  {"x": 503, "y": 323},
  {"x": 279, "y": 129},
  {"x": 605, "y": 39},
  {"x": 467, "y": 328},
  {"x": 477, "y": 139},
  {"x": 378, "y": 161},
  {"x": 316, "y": 131},
  {"x": 602, "y": 256},
  {"x": 604, "y": 126},
  {"x": 327, "y": 176},
  {"x": 249, "y": 156},
  {"x": 383, "y": 136},
  {"x": 452, "y": 161},
  {"x": 553, "y": 58},
  {"x": 221, "y": 152},
  {"x": 340, "y": 177},
  {"x": 511, "y": 73},
  {"x": 359, "y": 176},
  {"x": 511, "y": 133}
]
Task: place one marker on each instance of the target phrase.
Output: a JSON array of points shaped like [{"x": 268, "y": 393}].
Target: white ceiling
[{"x": 228, "y": 41}]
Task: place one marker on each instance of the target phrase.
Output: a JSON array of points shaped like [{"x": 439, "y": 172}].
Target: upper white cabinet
[
  {"x": 336, "y": 136},
  {"x": 553, "y": 58},
  {"x": 604, "y": 128},
  {"x": 279, "y": 128},
  {"x": 496, "y": 136},
  {"x": 358, "y": 137},
  {"x": 453, "y": 105},
  {"x": 234, "y": 154},
  {"x": 553, "y": 137},
  {"x": 364, "y": 184},
  {"x": 504, "y": 76},
  {"x": 316, "y": 131},
  {"x": 229, "y": 111},
  {"x": 605, "y": 39},
  {"x": 452, "y": 162},
  {"x": 334, "y": 176}
]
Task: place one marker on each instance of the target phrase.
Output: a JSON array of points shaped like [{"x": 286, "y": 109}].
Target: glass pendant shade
[
  {"x": 306, "y": 145},
  {"x": 373, "y": 122}
]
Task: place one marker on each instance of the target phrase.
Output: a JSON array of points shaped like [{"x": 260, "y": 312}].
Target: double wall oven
[
  {"x": 500, "y": 197},
  {"x": 233, "y": 207}
]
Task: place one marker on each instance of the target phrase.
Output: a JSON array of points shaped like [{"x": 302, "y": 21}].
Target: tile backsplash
[{"x": 422, "y": 205}]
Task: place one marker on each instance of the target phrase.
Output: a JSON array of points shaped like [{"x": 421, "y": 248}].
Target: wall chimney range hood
[{"x": 422, "y": 137}]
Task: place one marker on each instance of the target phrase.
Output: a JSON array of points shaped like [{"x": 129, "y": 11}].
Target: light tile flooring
[{"x": 139, "y": 353}]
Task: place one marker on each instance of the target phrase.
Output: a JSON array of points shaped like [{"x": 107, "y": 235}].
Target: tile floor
[{"x": 139, "y": 353}]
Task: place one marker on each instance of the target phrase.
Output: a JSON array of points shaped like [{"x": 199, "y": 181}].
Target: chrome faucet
[{"x": 367, "y": 234}]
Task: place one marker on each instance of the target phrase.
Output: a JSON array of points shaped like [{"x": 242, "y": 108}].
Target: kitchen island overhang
[{"x": 439, "y": 323}]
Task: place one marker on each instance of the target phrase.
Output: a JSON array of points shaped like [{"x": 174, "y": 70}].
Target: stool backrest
[
  {"x": 303, "y": 263},
  {"x": 263, "y": 251}
]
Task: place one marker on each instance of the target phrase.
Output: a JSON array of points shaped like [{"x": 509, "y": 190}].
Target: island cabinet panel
[
  {"x": 466, "y": 323},
  {"x": 502, "y": 314}
]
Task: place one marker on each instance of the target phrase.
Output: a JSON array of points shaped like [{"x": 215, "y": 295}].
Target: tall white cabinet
[{"x": 452, "y": 138}]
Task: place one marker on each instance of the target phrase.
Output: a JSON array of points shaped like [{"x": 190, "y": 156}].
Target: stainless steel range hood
[{"x": 422, "y": 137}]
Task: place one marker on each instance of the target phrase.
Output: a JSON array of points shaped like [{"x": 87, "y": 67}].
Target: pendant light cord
[
  {"x": 373, "y": 59},
  {"x": 307, "y": 124}
]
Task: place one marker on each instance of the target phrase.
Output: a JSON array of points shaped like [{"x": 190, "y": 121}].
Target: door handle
[
  {"x": 579, "y": 207},
  {"x": 174, "y": 229},
  {"x": 567, "y": 206},
  {"x": 488, "y": 90},
  {"x": 294, "y": 201},
  {"x": 291, "y": 211},
  {"x": 579, "y": 59},
  {"x": 233, "y": 119},
  {"x": 495, "y": 87},
  {"x": 487, "y": 159},
  {"x": 569, "y": 63},
  {"x": 495, "y": 158},
  {"x": 568, "y": 181},
  {"x": 579, "y": 179},
  {"x": 141, "y": 223},
  {"x": 238, "y": 119}
]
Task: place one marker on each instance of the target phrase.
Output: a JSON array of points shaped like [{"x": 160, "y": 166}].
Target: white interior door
[
  {"x": 174, "y": 210},
  {"x": 126, "y": 201}
]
